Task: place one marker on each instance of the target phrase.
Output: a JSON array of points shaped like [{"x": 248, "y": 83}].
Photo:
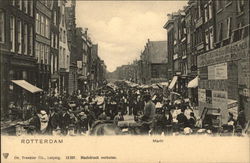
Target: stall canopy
[
  {"x": 173, "y": 82},
  {"x": 193, "y": 83},
  {"x": 26, "y": 85}
]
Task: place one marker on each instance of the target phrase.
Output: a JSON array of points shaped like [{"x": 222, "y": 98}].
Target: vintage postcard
[{"x": 125, "y": 81}]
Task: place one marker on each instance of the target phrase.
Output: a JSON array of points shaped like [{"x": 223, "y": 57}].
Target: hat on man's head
[
  {"x": 43, "y": 112},
  {"x": 158, "y": 105}
]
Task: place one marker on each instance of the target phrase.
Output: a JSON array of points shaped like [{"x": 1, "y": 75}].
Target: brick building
[
  {"x": 43, "y": 17},
  {"x": 70, "y": 15},
  {"x": 54, "y": 48},
  {"x": 18, "y": 62},
  {"x": 154, "y": 62}
]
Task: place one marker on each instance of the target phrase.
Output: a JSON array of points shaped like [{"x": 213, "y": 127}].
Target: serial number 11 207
[{"x": 70, "y": 157}]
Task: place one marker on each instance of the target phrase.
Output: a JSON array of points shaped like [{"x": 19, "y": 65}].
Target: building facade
[
  {"x": 42, "y": 42},
  {"x": 54, "y": 49},
  {"x": 17, "y": 52},
  {"x": 217, "y": 54},
  {"x": 70, "y": 14},
  {"x": 154, "y": 62},
  {"x": 64, "y": 53}
]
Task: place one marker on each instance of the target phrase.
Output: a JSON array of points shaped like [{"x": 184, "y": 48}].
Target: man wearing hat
[
  {"x": 82, "y": 123},
  {"x": 64, "y": 120},
  {"x": 53, "y": 120},
  {"x": 44, "y": 121},
  {"x": 149, "y": 109}
]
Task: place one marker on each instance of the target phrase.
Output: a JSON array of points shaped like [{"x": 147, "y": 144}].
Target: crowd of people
[{"x": 76, "y": 114}]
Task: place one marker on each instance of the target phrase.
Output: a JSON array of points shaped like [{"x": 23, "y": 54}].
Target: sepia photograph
[{"x": 116, "y": 73}]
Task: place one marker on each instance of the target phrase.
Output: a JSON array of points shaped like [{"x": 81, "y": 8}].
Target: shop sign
[
  {"x": 237, "y": 50},
  {"x": 244, "y": 73},
  {"x": 202, "y": 95},
  {"x": 214, "y": 84},
  {"x": 217, "y": 72}
]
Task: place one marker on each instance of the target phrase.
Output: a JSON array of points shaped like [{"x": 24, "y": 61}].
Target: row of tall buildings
[
  {"x": 150, "y": 68},
  {"x": 208, "y": 40},
  {"x": 206, "y": 55},
  {"x": 43, "y": 49}
]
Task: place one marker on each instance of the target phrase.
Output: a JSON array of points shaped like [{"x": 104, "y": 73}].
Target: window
[
  {"x": 38, "y": 23},
  {"x": 63, "y": 21},
  {"x": 47, "y": 30},
  {"x": 60, "y": 35},
  {"x": 2, "y": 26},
  {"x": 206, "y": 14},
  {"x": 56, "y": 40},
  {"x": 42, "y": 53},
  {"x": 46, "y": 54},
  {"x": 229, "y": 27},
  {"x": 67, "y": 64},
  {"x": 55, "y": 16},
  {"x": 52, "y": 64},
  {"x": 199, "y": 11},
  {"x": 19, "y": 4},
  {"x": 207, "y": 39},
  {"x": 64, "y": 59},
  {"x": 56, "y": 64},
  {"x": 220, "y": 31},
  {"x": 12, "y": 33},
  {"x": 210, "y": 11},
  {"x": 52, "y": 40},
  {"x": 42, "y": 25},
  {"x": 38, "y": 52},
  {"x": 25, "y": 38},
  {"x": 19, "y": 36},
  {"x": 211, "y": 35},
  {"x": 25, "y": 6},
  {"x": 31, "y": 41},
  {"x": 64, "y": 36},
  {"x": 240, "y": 6},
  {"x": 30, "y": 8}
]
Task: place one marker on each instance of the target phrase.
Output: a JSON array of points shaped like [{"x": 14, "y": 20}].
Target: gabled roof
[{"x": 157, "y": 51}]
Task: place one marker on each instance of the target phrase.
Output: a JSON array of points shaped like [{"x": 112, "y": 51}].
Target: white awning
[
  {"x": 173, "y": 82},
  {"x": 26, "y": 85},
  {"x": 193, "y": 83}
]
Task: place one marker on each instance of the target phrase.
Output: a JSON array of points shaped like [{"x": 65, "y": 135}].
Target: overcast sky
[{"x": 121, "y": 29}]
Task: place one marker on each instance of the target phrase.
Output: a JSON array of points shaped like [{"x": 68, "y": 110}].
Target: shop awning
[
  {"x": 193, "y": 83},
  {"x": 26, "y": 85},
  {"x": 82, "y": 77},
  {"x": 173, "y": 82}
]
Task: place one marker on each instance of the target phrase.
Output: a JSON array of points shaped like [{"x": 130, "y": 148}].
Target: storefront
[{"x": 224, "y": 75}]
